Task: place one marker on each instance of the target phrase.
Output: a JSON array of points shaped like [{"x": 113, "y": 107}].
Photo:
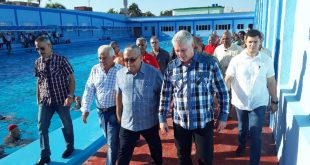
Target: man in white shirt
[
  {"x": 226, "y": 51},
  {"x": 250, "y": 75},
  {"x": 100, "y": 84}
]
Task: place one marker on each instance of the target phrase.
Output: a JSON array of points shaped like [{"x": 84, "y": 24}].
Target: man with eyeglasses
[
  {"x": 55, "y": 89},
  {"x": 191, "y": 81},
  {"x": 146, "y": 57},
  {"x": 100, "y": 84},
  {"x": 161, "y": 55},
  {"x": 137, "y": 98}
]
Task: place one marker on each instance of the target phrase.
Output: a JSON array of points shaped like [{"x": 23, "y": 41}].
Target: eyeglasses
[
  {"x": 130, "y": 60},
  {"x": 141, "y": 45},
  {"x": 154, "y": 42},
  {"x": 40, "y": 49}
]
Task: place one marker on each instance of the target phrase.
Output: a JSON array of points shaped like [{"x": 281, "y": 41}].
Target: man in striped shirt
[
  {"x": 100, "y": 84},
  {"x": 191, "y": 81},
  {"x": 55, "y": 88}
]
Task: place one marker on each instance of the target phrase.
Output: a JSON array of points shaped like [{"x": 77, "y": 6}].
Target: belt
[{"x": 107, "y": 109}]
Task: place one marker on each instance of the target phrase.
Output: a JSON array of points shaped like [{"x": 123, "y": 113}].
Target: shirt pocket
[
  {"x": 202, "y": 81},
  {"x": 148, "y": 89},
  {"x": 177, "y": 83}
]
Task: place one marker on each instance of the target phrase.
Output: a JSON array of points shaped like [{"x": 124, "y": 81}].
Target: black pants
[
  {"x": 203, "y": 139},
  {"x": 128, "y": 141}
]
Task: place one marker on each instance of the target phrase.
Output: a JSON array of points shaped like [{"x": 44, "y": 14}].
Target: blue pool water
[{"x": 18, "y": 88}]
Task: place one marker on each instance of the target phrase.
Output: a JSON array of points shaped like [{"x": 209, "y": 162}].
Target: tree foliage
[
  {"x": 112, "y": 11},
  {"x": 134, "y": 11},
  {"x": 166, "y": 13},
  {"x": 55, "y": 5},
  {"x": 148, "y": 14}
]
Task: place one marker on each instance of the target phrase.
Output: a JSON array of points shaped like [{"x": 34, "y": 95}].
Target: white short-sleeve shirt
[
  {"x": 249, "y": 83},
  {"x": 224, "y": 55}
]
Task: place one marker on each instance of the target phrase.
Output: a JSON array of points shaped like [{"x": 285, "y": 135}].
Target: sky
[{"x": 156, "y": 6}]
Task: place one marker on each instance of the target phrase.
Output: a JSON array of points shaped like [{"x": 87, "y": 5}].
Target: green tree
[
  {"x": 166, "y": 13},
  {"x": 148, "y": 14},
  {"x": 112, "y": 11},
  {"x": 134, "y": 11},
  {"x": 55, "y": 5}
]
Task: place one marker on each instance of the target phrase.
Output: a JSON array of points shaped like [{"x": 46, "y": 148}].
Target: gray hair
[
  {"x": 43, "y": 39},
  {"x": 183, "y": 37},
  {"x": 107, "y": 48},
  {"x": 141, "y": 39},
  {"x": 134, "y": 48},
  {"x": 154, "y": 38}
]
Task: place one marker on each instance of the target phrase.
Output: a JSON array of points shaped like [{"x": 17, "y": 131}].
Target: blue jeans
[
  {"x": 255, "y": 121},
  {"x": 44, "y": 120},
  {"x": 110, "y": 126}
]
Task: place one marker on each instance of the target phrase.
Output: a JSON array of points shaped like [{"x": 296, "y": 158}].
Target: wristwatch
[
  {"x": 70, "y": 96},
  {"x": 275, "y": 102}
]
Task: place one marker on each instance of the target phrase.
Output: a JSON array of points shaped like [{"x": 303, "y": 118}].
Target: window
[
  {"x": 167, "y": 28},
  {"x": 188, "y": 28},
  {"x": 222, "y": 27},
  {"x": 203, "y": 27},
  {"x": 240, "y": 26}
]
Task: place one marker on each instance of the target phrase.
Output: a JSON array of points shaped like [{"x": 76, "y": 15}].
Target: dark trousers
[
  {"x": 128, "y": 141},
  {"x": 203, "y": 139}
]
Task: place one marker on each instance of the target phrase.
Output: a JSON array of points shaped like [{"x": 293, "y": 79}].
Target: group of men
[{"x": 135, "y": 99}]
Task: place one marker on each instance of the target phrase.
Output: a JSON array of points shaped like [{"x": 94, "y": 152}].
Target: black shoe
[
  {"x": 240, "y": 151},
  {"x": 67, "y": 153},
  {"x": 43, "y": 161}
]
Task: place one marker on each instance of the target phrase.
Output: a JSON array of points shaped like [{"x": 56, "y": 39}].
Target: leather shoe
[
  {"x": 67, "y": 153},
  {"x": 42, "y": 161}
]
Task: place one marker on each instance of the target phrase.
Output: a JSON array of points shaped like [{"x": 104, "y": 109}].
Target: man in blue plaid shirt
[{"x": 191, "y": 81}]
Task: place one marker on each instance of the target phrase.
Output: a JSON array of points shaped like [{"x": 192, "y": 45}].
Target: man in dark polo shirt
[
  {"x": 55, "y": 88},
  {"x": 161, "y": 55}
]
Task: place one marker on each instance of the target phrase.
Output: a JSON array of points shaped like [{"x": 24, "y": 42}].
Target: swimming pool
[{"x": 18, "y": 85}]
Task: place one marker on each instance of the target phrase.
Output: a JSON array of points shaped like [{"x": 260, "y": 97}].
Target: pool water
[{"x": 18, "y": 85}]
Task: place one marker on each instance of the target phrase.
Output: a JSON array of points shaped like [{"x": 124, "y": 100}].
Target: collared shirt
[
  {"x": 249, "y": 84},
  {"x": 224, "y": 55},
  {"x": 192, "y": 88},
  {"x": 53, "y": 82},
  {"x": 140, "y": 97},
  {"x": 101, "y": 85},
  {"x": 149, "y": 59},
  {"x": 163, "y": 58}
]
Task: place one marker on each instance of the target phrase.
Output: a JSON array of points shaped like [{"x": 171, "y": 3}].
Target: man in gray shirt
[
  {"x": 137, "y": 88},
  {"x": 161, "y": 55}
]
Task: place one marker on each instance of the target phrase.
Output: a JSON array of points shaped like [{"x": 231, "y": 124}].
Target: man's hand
[
  {"x": 84, "y": 117},
  {"x": 220, "y": 125},
  {"x": 68, "y": 102},
  {"x": 273, "y": 108},
  {"x": 163, "y": 127}
]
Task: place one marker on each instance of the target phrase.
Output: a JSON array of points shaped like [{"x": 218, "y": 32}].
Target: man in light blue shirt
[
  {"x": 138, "y": 87},
  {"x": 100, "y": 84}
]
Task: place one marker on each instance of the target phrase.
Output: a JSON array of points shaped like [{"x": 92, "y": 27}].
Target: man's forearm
[
  {"x": 119, "y": 106},
  {"x": 71, "y": 84},
  {"x": 272, "y": 88},
  {"x": 38, "y": 91}
]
